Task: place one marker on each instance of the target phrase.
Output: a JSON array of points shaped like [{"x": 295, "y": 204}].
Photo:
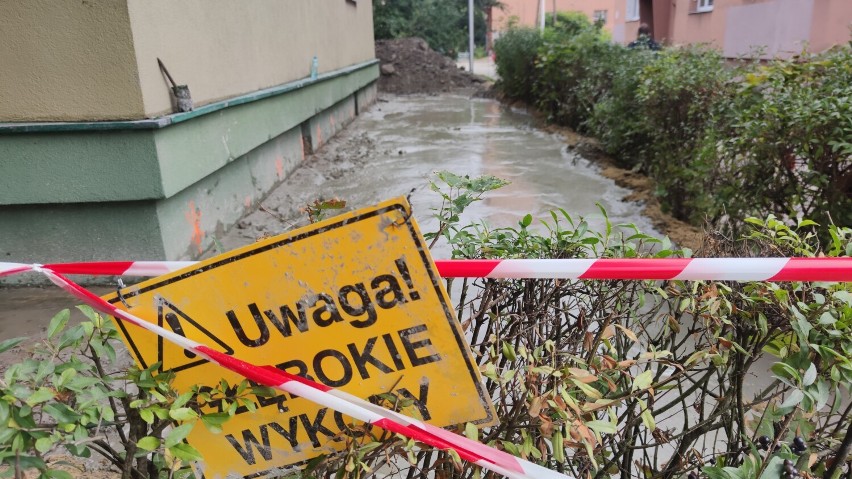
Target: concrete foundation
[{"x": 162, "y": 188}]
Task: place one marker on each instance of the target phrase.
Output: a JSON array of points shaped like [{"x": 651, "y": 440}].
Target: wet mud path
[{"x": 394, "y": 148}]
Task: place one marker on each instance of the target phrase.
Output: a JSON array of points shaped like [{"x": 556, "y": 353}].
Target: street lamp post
[{"x": 470, "y": 32}]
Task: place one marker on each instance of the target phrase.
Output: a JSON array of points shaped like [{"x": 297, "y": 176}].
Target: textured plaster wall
[
  {"x": 225, "y": 48},
  {"x": 831, "y": 24},
  {"x": 689, "y": 27},
  {"x": 67, "y": 60},
  {"x": 780, "y": 27}
]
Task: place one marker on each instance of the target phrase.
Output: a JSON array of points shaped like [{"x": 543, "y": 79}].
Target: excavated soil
[{"x": 409, "y": 66}]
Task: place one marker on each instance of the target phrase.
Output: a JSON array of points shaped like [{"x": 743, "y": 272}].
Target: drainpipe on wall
[{"x": 541, "y": 15}]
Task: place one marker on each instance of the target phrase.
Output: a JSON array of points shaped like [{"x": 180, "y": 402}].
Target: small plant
[
  {"x": 463, "y": 191},
  {"x": 319, "y": 209},
  {"x": 71, "y": 397}
]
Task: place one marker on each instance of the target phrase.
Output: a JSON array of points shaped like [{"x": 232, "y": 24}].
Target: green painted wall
[
  {"x": 179, "y": 226},
  {"x": 92, "y": 165},
  {"x": 78, "y": 167},
  {"x": 191, "y": 218},
  {"x": 324, "y": 126},
  {"x": 81, "y": 232}
]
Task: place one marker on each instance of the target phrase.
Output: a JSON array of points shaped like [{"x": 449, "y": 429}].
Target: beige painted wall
[
  {"x": 689, "y": 27},
  {"x": 67, "y": 60},
  {"x": 224, "y": 48}
]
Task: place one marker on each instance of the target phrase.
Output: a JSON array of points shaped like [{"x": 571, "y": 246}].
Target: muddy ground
[
  {"x": 682, "y": 234},
  {"x": 409, "y": 66}
]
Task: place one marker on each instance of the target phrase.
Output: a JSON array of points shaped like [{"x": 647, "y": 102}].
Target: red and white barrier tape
[
  {"x": 357, "y": 408},
  {"x": 713, "y": 269}
]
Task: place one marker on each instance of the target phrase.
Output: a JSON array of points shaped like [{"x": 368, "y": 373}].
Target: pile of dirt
[{"x": 408, "y": 66}]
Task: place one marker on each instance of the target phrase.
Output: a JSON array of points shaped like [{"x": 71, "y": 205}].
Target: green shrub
[
  {"x": 617, "y": 118},
  {"x": 572, "y": 73},
  {"x": 571, "y": 24},
  {"x": 610, "y": 378},
  {"x": 572, "y": 69},
  {"x": 515, "y": 53},
  {"x": 72, "y": 398},
  {"x": 678, "y": 94},
  {"x": 439, "y": 22},
  {"x": 721, "y": 141},
  {"x": 788, "y": 148}
]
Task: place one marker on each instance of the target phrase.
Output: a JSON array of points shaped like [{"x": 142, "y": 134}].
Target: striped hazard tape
[{"x": 712, "y": 269}]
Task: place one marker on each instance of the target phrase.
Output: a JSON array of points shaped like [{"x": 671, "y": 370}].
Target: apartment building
[{"x": 764, "y": 28}]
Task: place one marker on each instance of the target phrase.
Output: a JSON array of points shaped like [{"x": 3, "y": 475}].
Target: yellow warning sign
[{"x": 353, "y": 302}]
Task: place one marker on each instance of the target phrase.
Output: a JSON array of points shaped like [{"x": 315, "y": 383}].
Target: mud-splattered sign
[{"x": 353, "y": 302}]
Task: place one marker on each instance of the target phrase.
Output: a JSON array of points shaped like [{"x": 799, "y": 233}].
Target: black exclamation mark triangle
[{"x": 171, "y": 317}]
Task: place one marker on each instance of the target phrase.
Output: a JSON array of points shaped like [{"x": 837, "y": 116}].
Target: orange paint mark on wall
[
  {"x": 279, "y": 167},
  {"x": 248, "y": 201},
  {"x": 319, "y": 136},
  {"x": 194, "y": 218}
]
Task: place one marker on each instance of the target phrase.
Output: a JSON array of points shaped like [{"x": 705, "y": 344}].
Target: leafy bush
[
  {"x": 788, "y": 148},
  {"x": 617, "y": 118},
  {"x": 442, "y": 23},
  {"x": 626, "y": 378},
  {"x": 515, "y": 53},
  {"x": 721, "y": 141},
  {"x": 572, "y": 74},
  {"x": 572, "y": 24},
  {"x": 678, "y": 94},
  {"x": 71, "y": 397}
]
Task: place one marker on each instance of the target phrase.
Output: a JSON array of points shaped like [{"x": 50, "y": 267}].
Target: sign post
[{"x": 353, "y": 302}]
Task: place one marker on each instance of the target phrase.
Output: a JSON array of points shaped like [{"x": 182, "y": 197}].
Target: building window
[
  {"x": 599, "y": 16},
  {"x": 704, "y": 6},
  {"x": 632, "y": 11}
]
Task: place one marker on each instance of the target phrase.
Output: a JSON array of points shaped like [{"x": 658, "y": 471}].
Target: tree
[{"x": 430, "y": 19}]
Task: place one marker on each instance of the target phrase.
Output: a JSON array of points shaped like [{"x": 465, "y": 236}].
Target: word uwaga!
[{"x": 354, "y": 305}]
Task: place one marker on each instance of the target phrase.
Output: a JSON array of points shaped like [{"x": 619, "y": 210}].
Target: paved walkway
[{"x": 481, "y": 66}]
